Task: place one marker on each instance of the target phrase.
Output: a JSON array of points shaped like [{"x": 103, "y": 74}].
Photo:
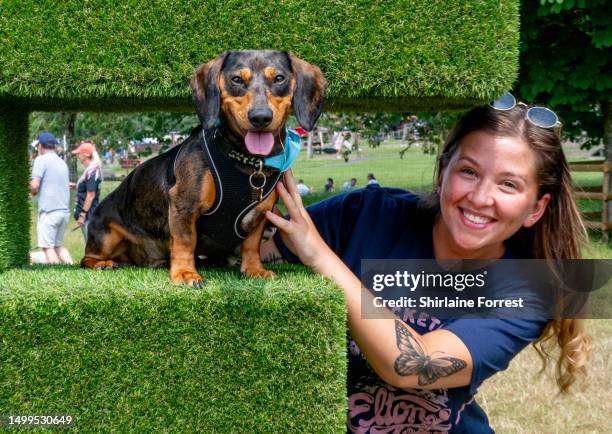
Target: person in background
[
  {"x": 50, "y": 183},
  {"x": 88, "y": 185},
  {"x": 372, "y": 180},
  {"x": 107, "y": 157},
  {"x": 346, "y": 148},
  {"x": 329, "y": 185},
  {"x": 302, "y": 188},
  {"x": 350, "y": 185}
]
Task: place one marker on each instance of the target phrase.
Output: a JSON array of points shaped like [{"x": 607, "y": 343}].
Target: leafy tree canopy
[
  {"x": 114, "y": 128},
  {"x": 566, "y": 62}
]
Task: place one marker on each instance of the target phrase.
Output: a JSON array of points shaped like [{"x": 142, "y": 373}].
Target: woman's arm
[
  {"x": 89, "y": 198},
  {"x": 398, "y": 354}
]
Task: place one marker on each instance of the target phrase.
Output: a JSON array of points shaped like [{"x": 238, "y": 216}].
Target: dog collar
[{"x": 247, "y": 160}]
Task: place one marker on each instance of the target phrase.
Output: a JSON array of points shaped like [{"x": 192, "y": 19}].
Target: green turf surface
[
  {"x": 125, "y": 351},
  {"x": 102, "y": 55},
  {"x": 14, "y": 189}
]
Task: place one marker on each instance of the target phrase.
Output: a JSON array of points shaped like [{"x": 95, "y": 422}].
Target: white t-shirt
[
  {"x": 52, "y": 171},
  {"x": 303, "y": 189}
]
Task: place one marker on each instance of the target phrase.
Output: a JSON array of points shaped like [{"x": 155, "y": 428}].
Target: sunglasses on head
[{"x": 539, "y": 116}]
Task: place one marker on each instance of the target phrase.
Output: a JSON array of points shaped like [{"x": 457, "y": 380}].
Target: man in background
[{"x": 50, "y": 183}]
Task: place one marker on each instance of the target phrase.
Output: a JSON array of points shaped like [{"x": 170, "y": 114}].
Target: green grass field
[{"x": 518, "y": 400}]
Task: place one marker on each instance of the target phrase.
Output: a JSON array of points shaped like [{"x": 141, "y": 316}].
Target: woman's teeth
[{"x": 476, "y": 219}]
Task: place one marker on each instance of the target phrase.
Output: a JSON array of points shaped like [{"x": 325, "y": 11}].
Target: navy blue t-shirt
[
  {"x": 386, "y": 223},
  {"x": 91, "y": 182}
]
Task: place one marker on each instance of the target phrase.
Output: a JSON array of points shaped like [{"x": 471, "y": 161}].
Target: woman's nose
[{"x": 481, "y": 195}]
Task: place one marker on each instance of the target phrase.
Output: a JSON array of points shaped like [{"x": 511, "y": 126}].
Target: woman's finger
[
  {"x": 289, "y": 182},
  {"x": 292, "y": 208},
  {"x": 279, "y": 222}
]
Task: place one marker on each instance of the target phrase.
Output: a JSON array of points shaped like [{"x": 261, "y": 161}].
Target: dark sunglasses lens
[
  {"x": 504, "y": 102},
  {"x": 542, "y": 117}
]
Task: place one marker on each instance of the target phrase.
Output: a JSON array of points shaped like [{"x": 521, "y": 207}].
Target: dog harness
[{"x": 238, "y": 192}]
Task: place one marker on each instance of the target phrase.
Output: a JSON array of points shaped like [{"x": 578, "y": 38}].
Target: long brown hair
[{"x": 559, "y": 234}]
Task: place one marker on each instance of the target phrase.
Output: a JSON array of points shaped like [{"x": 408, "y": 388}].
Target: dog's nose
[{"x": 260, "y": 117}]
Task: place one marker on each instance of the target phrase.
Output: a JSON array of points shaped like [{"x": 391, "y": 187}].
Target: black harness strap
[{"x": 234, "y": 198}]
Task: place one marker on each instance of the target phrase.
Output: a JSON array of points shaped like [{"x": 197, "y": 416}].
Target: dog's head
[{"x": 254, "y": 91}]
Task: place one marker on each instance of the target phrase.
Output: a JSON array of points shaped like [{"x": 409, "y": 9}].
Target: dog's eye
[
  {"x": 279, "y": 78},
  {"x": 237, "y": 80}
]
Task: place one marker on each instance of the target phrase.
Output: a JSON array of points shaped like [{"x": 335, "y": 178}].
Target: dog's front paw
[
  {"x": 98, "y": 264},
  {"x": 105, "y": 265},
  {"x": 259, "y": 272},
  {"x": 187, "y": 277}
]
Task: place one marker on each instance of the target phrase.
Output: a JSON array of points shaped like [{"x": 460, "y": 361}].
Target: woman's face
[{"x": 488, "y": 192}]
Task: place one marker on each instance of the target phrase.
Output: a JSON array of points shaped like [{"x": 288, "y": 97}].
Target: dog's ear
[
  {"x": 308, "y": 93},
  {"x": 206, "y": 93}
]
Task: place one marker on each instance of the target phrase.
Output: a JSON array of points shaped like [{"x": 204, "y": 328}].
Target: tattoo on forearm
[
  {"x": 414, "y": 360},
  {"x": 272, "y": 258}
]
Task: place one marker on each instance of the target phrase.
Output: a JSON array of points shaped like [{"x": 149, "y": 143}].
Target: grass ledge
[{"x": 126, "y": 350}]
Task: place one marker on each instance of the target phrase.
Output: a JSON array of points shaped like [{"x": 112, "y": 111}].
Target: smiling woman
[
  {"x": 488, "y": 191},
  {"x": 503, "y": 191}
]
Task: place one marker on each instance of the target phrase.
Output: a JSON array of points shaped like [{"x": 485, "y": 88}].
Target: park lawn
[
  {"x": 414, "y": 172},
  {"x": 522, "y": 402}
]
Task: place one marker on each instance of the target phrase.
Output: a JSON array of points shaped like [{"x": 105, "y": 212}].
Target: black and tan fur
[{"x": 150, "y": 222}]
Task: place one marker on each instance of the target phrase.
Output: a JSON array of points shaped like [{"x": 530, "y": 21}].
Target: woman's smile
[{"x": 474, "y": 220}]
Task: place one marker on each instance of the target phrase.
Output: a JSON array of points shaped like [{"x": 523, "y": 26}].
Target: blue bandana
[{"x": 284, "y": 161}]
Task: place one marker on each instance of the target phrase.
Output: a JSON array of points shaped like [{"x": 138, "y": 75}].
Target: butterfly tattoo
[{"x": 413, "y": 360}]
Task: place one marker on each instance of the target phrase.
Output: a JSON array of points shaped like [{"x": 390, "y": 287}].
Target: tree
[
  {"x": 113, "y": 128},
  {"x": 566, "y": 63},
  {"x": 368, "y": 124}
]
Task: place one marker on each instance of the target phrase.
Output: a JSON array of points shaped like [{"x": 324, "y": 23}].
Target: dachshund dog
[{"x": 207, "y": 197}]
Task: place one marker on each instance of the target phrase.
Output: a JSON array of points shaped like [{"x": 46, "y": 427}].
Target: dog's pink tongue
[{"x": 259, "y": 143}]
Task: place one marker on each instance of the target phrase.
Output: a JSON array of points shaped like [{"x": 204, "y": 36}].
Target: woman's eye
[
  {"x": 468, "y": 171},
  {"x": 510, "y": 185},
  {"x": 279, "y": 78},
  {"x": 237, "y": 80}
]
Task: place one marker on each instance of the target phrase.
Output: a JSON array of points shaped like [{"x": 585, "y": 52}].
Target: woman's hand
[
  {"x": 72, "y": 185},
  {"x": 299, "y": 232}
]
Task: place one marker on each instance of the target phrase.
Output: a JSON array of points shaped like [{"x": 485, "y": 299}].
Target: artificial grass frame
[
  {"x": 127, "y": 351},
  {"x": 375, "y": 55}
]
